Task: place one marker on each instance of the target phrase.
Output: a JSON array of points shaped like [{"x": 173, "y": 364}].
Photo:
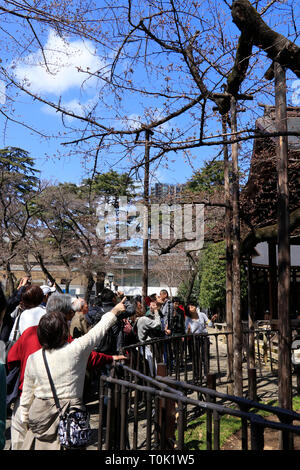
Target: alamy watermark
[
  {"x": 2, "y": 92},
  {"x": 296, "y": 92},
  {"x": 155, "y": 222}
]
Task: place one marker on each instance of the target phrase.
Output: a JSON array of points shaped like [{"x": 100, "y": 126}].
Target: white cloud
[
  {"x": 134, "y": 121},
  {"x": 160, "y": 175},
  {"x": 73, "y": 106},
  {"x": 63, "y": 59},
  {"x": 2, "y": 92}
]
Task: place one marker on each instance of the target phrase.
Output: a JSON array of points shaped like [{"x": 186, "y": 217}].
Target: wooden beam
[
  {"x": 284, "y": 365},
  {"x": 251, "y": 318},
  {"x": 146, "y": 219},
  {"x": 228, "y": 222},
  {"x": 236, "y": 270},
  {"x": 273, "y": 296}
]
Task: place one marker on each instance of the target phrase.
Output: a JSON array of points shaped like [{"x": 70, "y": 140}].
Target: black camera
[{"x": 131, "y": 306}]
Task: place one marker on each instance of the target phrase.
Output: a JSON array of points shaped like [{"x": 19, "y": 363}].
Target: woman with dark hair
[
  {"x": 29, "y": 312},
  {"x": 196, "y": 321},
  {"x": 67, "y": 364},
  {"x": 53, "y": 331}
]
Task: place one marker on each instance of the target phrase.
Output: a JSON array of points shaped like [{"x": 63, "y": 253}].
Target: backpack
[
  {"x": 108, "y": 343},
  {"x": 156, "y": 333}
]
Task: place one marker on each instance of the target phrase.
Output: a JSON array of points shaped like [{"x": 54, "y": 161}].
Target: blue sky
[
  {"x": 64, "y": 58},
  {"x": 65, "y": 81},
  {"x": 69, "y": 168}
]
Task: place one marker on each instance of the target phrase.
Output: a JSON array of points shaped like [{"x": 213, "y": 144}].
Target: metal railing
[
  {"x": 145, "y": 413},
  {"x": 185, "y": 356},
  {"x": 190, "y": 356}
]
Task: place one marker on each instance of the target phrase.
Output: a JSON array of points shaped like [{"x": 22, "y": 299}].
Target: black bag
[
  {"x": 13, "y": 375},
  {"x": 74, "y": 429},
  {"x": 12, "y": 385},
  {"x": 156, "y": 333}
]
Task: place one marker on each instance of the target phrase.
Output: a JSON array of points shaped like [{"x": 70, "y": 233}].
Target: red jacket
[{"x": 28, "y": 343}]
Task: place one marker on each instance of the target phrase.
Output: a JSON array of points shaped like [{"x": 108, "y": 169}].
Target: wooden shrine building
[{"x": 258, "y": 202}]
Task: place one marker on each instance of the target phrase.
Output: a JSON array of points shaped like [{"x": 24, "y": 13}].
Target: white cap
[{"x": 47, "y": 289}]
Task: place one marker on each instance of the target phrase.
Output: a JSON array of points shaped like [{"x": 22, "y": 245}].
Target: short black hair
[
  {"x": 176, "y": 299},
  {"x": 107, "y": 295},
  {"x": 165, "y": 291}
]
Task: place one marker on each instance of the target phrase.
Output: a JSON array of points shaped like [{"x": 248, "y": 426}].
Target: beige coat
[{"x": 79, "y": 322}]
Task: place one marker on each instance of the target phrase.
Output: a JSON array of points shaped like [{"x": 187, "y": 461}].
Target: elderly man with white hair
[{"x": 79, "y": 324}]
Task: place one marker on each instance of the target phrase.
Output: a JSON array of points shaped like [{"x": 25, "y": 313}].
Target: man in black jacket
[{"x": 109, "y": 343}]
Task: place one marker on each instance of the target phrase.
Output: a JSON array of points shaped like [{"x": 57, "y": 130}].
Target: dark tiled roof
[{"x": 259, "y": 204}]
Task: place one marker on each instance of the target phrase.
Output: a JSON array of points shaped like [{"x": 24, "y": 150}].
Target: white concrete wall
[
  {"x": 262, "y": 249},
  {"x": 130, "y": 290}
]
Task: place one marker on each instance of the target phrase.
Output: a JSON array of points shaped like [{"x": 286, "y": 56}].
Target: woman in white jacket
[{"x": 67, "y": 364}]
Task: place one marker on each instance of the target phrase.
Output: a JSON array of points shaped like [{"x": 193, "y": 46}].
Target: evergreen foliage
[
  {"x": 212, "y": 273},
  {"x": 208, "y": 178},
  {"x": 17, "y": 169}
]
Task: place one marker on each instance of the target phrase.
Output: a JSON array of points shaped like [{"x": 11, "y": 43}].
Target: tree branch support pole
[
  {"x": 236, "y": 269},
  {"x": 146, "y": 218},
  {"x": 251, "y": 319},
  {"x": 284, "y": 357},
  {"x": 273, "y": 294},
  {"x": 228, "y": 221}
]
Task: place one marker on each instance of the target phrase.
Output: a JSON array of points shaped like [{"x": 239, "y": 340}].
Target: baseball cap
[{"x": 47, "y": 289}]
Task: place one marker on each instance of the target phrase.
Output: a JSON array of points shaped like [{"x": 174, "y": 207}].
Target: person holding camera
[
  {"x": 114, "y": 340},
  {"x": 109, "y": 342},
  {"x": 148, "y": 327},
  {"x": 12, "y": 303}
]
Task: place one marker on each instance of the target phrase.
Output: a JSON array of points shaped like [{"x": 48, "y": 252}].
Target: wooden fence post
[
  {"x": 252, "y": 384},
  {"x": 284, "y": 329},
  {"x": 211, "y": 383},
  {"x": 166, "y": 416},
  {"x": 257, "y": 436}
]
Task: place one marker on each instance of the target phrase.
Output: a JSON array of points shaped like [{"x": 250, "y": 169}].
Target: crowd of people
[{"x": 80, "y": 340}]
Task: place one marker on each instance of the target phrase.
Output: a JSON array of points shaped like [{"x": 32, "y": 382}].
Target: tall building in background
[{"x": 163, "y": 190}]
